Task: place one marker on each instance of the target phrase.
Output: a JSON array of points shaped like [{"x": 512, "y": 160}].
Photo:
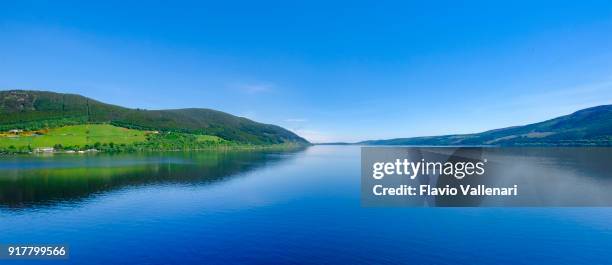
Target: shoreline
[{"x": 238, "y": 147}]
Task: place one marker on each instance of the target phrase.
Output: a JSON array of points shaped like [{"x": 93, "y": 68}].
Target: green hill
[
  {"x": 74, "y": 135},
  {"x": 592, "y": 126},
  {"x": 33, "y": 110}
]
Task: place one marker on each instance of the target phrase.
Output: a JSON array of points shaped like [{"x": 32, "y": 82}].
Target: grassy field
[
  {"x": 209, "y": 138},
  {"x": 74, "y": 135}
]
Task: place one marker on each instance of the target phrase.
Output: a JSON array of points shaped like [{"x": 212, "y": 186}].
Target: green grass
[
  {"x": 77, "y": 135},
  {"x": 110, "y": 138},
  {"x": 209, "y": 138}
]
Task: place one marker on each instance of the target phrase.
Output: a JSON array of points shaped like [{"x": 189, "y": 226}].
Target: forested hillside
[
  {"x": 591, "y": 126},
  {"x": 33, "y": 110}
]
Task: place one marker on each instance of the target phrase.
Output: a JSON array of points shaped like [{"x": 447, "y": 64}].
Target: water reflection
[
  {"x": 531, "y": 176},
  {"x": 302, "y": 210},
  {"x": 38, "y": 181}
]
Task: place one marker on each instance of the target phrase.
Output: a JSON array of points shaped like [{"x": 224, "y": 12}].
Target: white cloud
[
  {"x": 255, "y": 88},
  {"x": 556, "y": 102},
  {"x": 314, "y": 136},
  {"x": 296, "y": 120}
]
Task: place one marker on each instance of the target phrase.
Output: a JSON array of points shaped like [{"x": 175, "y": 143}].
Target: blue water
[{"x": 270, "y": 208}]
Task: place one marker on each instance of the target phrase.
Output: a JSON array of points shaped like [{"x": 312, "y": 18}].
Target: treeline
[
  {"x": 16, "y": 150},
  {"x": 43, "y": 124}
]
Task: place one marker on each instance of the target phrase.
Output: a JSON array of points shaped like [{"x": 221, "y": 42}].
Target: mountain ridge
[
  {"x": 33, "y": 109},
  {"x": 585, "y": 127}
]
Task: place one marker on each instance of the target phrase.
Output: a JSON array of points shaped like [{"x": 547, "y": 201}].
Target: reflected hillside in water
[
  {"x": 38, "y": 181},
  {"x": 540, "y": 176}
]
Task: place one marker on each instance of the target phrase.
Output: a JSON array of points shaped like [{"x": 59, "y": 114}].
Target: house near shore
[{"x": 44, "y": 150}]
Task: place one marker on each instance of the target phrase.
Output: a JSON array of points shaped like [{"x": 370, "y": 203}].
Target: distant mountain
[
  {"x": 592, "y": 126},
  {"x": 21, "y": 109},
  {"x": 334, "y": 143}
]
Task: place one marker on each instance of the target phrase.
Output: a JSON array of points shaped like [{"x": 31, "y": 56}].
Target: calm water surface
[{"x": 267, "y": 207}]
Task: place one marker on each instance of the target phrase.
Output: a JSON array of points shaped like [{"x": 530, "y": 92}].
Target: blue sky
[{"x": 342, "y": 71}]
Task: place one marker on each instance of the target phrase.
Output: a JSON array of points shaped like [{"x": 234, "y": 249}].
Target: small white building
[{"x": 44, "y": 150}]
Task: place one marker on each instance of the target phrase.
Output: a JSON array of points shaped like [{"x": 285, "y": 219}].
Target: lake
[{"x": 268, "y": 207}]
